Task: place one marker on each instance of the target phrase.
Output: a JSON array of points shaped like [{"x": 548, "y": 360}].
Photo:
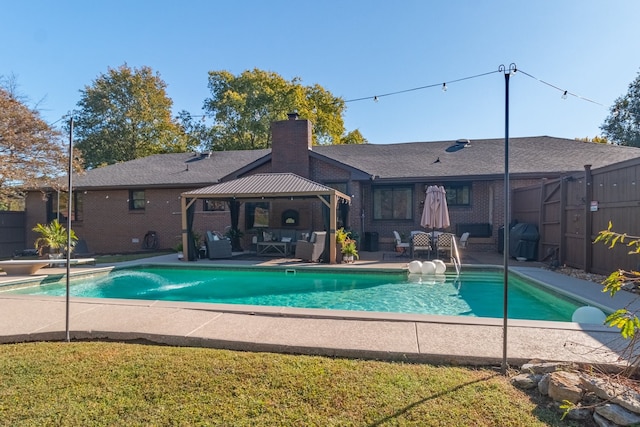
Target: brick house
[{"x": 115, "y": 206}]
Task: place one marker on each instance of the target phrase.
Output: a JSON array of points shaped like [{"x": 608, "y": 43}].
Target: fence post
[{"x": 588, "y": 191}]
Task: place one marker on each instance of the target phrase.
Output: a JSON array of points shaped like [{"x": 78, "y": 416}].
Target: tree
[
  {"x": 597, "y": 139},
  {"x": 244, "y": 107},
  {"x": 622, "y": 126},
  {"x": 124, "y": 115},
  {"x": 626, "y": 319},
  {"x": 31, "y": 151}
]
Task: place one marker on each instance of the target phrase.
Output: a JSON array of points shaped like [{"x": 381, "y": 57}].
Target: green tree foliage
[
  {"x": 596, "y": 139},
  {"x": 244, "y": 107},
  {"x": 622, "y": 126},
  {"x": 625, "y": 318},
  {"x": 126, "y": 114},
  {"x": 31, "y": 151}
]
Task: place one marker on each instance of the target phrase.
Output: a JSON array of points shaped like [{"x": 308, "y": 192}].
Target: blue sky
[{"x": 353, "y": 49}]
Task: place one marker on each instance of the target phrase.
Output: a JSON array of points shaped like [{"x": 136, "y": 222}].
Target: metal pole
[
  {"x": 507, "y": 208},
  {"x": 69, "y": 211}
]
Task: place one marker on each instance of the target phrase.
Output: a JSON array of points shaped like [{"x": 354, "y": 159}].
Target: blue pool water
[{"x": 474, "y": 293}]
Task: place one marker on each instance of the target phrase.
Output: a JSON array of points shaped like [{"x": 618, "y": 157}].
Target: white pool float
[
  {"x": 441, "y": 267},
  {"x": 588, "y": 314},
  {"x": 415, "y": 267},
  {"x": 428, "y": 267}
]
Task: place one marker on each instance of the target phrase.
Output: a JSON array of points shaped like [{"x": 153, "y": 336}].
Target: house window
[
  {"x": 393, "y": 203},
  {"x": 213, "y": 205},
  {"x": 57, "y": 207},
  {"x": 458, "y": 194},
  {"x": 137, "y": 201}
]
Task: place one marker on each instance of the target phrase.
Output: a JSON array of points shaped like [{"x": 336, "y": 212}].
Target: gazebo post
[
  {"x": 185, "y": 240},
  {"x": 333, "y": 220},
  {"x": 185, "y": 203}
]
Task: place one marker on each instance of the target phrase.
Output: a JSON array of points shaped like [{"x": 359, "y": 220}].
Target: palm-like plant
[{"x": 54, "y": 237}]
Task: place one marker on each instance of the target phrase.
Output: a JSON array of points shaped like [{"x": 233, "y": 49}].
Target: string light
[
  {"x": 444, "y": 87},
  {"x": 565, "y": 93},
  {"x": 376, "y": 97}
]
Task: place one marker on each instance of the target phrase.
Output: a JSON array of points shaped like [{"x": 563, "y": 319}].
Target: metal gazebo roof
[{"x": 268, "y": 186}]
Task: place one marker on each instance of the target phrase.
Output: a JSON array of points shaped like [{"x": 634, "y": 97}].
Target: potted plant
[
  {"x": 349, "y": 251},
  {"x": 53, "y": 239},
  {"x": 341, "y": 236},
  {"x": 234, "y": 235}
]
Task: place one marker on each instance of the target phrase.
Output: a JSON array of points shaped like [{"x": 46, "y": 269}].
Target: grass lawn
[
  {"x": 96, "y": 383},
  {"x": 110, "y": 259}
]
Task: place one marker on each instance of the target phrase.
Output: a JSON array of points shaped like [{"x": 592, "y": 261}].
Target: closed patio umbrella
[{"x": 435, "y": 213}]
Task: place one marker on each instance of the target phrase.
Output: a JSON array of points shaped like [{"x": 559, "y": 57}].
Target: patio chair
[
  {"x": 445, "y": 244},
  {"x": 218, "y": 247},
  {"x": 463, "y": 240},
  {"x": 420, "y": 242},
  {"x": 400, "y": 246},
  {"x": 311, "y": 250}
]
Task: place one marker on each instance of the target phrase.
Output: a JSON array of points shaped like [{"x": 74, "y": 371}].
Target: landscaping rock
[
  {"x": 526, "y": 381},
  {"x": 579, "y": 414},
  {"x": 617, "y": 414},
  {"x": 565, "y": 386},
  {"x": 617, "y": 393},
  {"x": 602, "y": 421},
  {"x": 543, "y": 385},
  {"x": 544, "y": 367}
]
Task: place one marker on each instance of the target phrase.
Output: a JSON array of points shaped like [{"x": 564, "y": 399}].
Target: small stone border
[{"x": 597, "y": 398}]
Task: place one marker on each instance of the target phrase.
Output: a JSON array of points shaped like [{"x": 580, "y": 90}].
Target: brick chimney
[{"x": 291, "y": 142}]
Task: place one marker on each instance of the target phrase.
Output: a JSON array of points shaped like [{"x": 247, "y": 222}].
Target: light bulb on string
[
  {"x": 444, "y": 87},
  {"x": 564, "y": 95}
]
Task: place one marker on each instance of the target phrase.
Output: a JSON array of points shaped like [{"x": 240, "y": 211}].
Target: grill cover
[{"x": 523, "y": 241}]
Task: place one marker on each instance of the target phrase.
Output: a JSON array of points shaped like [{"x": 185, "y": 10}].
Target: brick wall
[{"x": 291, "y": 142}]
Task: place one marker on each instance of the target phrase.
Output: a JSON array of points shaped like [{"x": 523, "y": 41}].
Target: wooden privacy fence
[
  {"x": 572, "y": 210},
  {"x": 12, "y": 233}
]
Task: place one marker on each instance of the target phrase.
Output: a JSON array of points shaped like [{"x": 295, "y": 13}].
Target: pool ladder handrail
[{"x": 455, "y": 257}]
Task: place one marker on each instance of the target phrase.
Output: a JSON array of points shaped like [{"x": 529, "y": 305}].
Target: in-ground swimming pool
[{"x": 474, "y": 293}]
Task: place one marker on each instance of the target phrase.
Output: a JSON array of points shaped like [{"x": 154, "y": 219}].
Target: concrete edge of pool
[{"x": 414, "y": 338}]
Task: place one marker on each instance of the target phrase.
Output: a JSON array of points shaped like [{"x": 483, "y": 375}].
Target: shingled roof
[
  {"x": 177, "y": 170},
  {"x": 481, "y": 159}
]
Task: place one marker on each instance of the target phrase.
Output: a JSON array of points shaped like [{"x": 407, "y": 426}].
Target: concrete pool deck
[{"x": 414, "y": 338}]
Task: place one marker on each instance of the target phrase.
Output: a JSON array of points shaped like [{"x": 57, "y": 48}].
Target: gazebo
[{"x": 261, "y": 187}]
